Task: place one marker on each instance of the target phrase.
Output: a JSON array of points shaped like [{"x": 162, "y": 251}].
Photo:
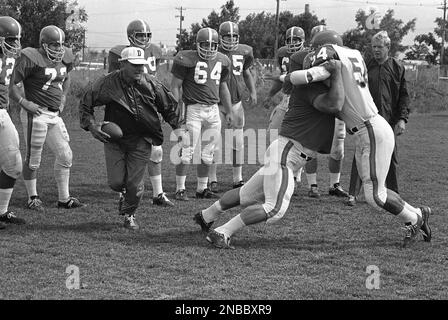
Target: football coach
[{"x": 132, "y": 99}]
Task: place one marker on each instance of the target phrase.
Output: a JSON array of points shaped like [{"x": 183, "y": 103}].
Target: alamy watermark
[{"x": 373, "y": 280}]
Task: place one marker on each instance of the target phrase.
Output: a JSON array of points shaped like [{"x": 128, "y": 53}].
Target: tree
[
  {"x": 427, "y": 47},
  {"x": 360, "y": 37},
  {"x": 34, "y": 15},
  {"x": 228, "y": 13}
]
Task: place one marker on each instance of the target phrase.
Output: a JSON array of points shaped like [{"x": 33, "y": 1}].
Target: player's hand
[
  {"x": 253, "y": 98},
  {"x": 400, "y": 127},
  {"x": 97, "y": 133},
  {"x": 31, "y": 107},
  {"x": 332, "y": 65},
  {"x": 62, "y": 104},
  {"x": 229, "y": 119}
]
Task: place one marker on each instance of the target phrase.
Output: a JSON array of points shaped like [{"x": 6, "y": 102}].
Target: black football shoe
[
  {"x": 206, "y": 194},
  {"x": 71, "y": 203},
  {"x": 10, "y": 217},
  {"x": 199, "y": 219}
]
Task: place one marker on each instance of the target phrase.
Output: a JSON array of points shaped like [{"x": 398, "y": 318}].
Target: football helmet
[
  {"x": 52, "y": 35},
  {"x": 10, "y": 33},
  {"x": 229, "y": 30},
  {"x": 207, "y": 43},
  {"x": 139, "y": 34},
  {"x": 295, "y": 36},
  {"x": 326, "y": 37},
  {"x": 316, "y": 29}
]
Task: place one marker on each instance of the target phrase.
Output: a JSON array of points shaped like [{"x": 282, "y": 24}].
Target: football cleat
[
  {"x": 412, "y": 230},
  {"x": 219, "y": 240},
  {"x": 337, "y": 191},
  {"x": 10, "y": 217},
  {"x": 162, "y": 200},
  {"x": 199, "y": 219},
  {"x": 213, "y": 186},
  {"x": 238, "y": 185},
  {"x": 314, "y": 191},
  {"x": 425, "y": 229},
  {"x": 206, "y": 194},
  {"x": 181, "y": 195},
  {"x": 351, "y": 201},
  {"x": 71, "y": 203},
  {"x": 129, "y": 222},
  {"x": 34, "y": 203}
]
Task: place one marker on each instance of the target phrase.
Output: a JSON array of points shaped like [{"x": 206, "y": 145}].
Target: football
[{"x": 112, "y": 129}]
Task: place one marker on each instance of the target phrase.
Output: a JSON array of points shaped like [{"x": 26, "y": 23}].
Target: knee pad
[
  {"x": 207, "y": 155},
  {"x": 156, "y": 154},
  {"x": 11, "y": 161},
  {"x": 186, "y": 154},
  {"x": 64, "y": 157},
  {"x": 337, "y": 151}
]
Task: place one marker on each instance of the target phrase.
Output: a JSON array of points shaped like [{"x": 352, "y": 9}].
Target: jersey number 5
[{"x": 200, "y": 72}]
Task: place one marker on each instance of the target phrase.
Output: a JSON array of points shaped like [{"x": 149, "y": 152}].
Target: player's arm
[
  {"x": 333, "y": 100},
  {"x": 250, "y": 84},
  {"x": 65, "y": 88},
  {"x": 226, "y": 101},
  {"x": 15, "y": 93},
  {"x": 314, "y": 74}
]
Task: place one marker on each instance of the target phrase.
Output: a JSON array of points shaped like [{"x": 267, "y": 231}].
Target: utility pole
[
  {"x": 181, "y": 18},
  {"x": 442, "y": 51},
  {"x": 276, "y": 33}
]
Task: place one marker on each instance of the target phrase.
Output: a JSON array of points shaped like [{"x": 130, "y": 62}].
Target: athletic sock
[
  {"x": 30, "y": 186},
  {"x": 231, "y": 227},
  {"x": 180, "y": 182},
  {"x": 5, "y": 196},
  {"x": 156, "y": 182},
  {"x": 202, "y": 184},
  {"x": 211, "y": 213}
]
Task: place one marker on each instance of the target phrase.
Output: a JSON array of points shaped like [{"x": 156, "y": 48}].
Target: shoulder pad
[
  {"x": 282, "y": 52},
  {"x": 117, "y": 49},
  {"x": 68, "y": 57},
  {"x": 298, "y": 57},
  {"x": 186, "y": 58},
  {"x": 154, "y": 51},
  {"x": 244, "y": 49},
  {"x": 35, "y": 56},
  {"x": 222, "y": 57}
]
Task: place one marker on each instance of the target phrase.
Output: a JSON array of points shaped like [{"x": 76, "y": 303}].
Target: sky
[{"x": 108, "y": 19}]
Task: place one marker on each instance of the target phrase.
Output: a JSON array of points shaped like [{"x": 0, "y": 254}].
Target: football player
[
  {"x": 10, "y": 158},
  {"x": 374, "y": 137},
  {"x": 307, "y": 128},
  {"x": 241, "y": 58},
  {"x": 336, "y": 155},
  {"x": 295, "y": 42},
  {"x": 202, "y": 76},
  {"x": 44, "y": 72},
  {"x": 139, "y": 35}
]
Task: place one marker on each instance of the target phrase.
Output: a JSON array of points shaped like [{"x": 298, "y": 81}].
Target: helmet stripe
[
  {"x": 210, "y": 35},
  {"x": 144, "y": 25},
  {"x": 60, "y": 34},
  {"x": 231, "y": 28}
]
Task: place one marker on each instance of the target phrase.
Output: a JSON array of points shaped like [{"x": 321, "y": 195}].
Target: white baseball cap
[{"x": 134, "y": 55}]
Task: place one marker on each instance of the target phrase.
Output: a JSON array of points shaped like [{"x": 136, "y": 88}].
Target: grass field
[{"x": 321, "y": 249}]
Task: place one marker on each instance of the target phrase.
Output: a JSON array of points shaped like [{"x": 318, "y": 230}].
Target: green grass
[{"x": 320, "y": 250}]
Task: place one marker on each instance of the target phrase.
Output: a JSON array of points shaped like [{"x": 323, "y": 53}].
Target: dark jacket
[
  {"x": 387, "y": 84},
  {"x": 133, "y": 107}
]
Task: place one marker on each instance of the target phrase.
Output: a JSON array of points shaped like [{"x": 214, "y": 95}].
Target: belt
[
  {"x": 304, "y": 156},
  {"x": 359, "y": 127}
]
